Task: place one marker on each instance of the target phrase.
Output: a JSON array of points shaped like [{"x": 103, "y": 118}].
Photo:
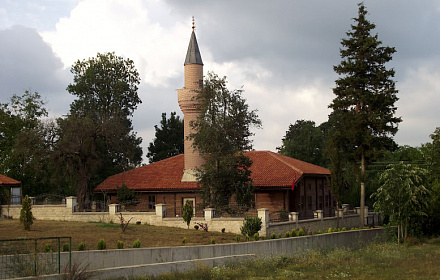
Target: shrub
[
  {"x": 120, "y": 244},
  {"x": 247, "y": 237},
  {"x": 188, "y": 212},
  {"x": 343, "y": 229},
  {"x": 137, "y": 244},
  {"x": 280, "y": 236},
  {"x": 237, "y": 238},
  {"x": 319, "y": 232},
  {"x": 212, "y": 241},
  {"x": 47, "y": 247},
  {"x": 301, "y": 232},
  {"x": 223, "y": 230},
  {"x": 101, "y": 244},
  {"x": 66, "y": 247},
  {"x": 81, "y": 246},
  {"x": 251, "y": 225},
  {"x": 329, "y": 230},
  {"x": 196, "y": 227},
  {"x": 287, "y": 234},
  {"x": 26, "y": 218},
  {"x": 293, "y": 233},
  {"x": 273, "y": 236},
  {"x": 256, "y": 236},
  {"x": 184, "y": 241}
]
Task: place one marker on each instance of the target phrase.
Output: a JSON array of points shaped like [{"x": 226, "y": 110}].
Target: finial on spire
[{"x": 194, "y": 26}]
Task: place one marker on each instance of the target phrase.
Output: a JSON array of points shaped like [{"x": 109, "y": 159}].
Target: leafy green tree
[
  {"x": 125, "y": 196},
  {"x": 402, "y": 195},
  {"x": 363, "y": 109},
  {"x": 187, "y": 212},
  {"x": 96, "y": 139},
  {"x": 304, "y": 141},
  {"x": 222, "y": 133},
  {"x": 169, "y": 139},
  {"x": 26, "y": 218}
]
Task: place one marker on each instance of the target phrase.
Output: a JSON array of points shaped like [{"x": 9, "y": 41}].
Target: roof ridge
[{"x": 275, "y": 155}]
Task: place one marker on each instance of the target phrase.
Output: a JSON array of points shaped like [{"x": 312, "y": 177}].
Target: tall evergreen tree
[
  {"x": 168, "y": 139},
  {"x": 222, "y": 133},
  {"x": 363, "y": 109}
]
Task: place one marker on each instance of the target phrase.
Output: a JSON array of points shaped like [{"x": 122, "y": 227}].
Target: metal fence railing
[
  {"x": 33, "y": 256},
  {"x": 94, "y": 206}
]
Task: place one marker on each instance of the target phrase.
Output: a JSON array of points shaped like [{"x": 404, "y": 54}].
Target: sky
[{"x": 281, "y": 53}]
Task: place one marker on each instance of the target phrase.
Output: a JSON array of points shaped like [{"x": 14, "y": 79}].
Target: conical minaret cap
[{"x": 193, "y": 54}]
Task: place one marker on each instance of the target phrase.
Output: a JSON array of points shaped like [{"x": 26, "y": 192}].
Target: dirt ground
[{"x": 90, "y": 233}]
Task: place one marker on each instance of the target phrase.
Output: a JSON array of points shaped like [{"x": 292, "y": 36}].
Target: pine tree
[
  {"x": 26, "y": 217},
  {"x": 363, "y": 109}
]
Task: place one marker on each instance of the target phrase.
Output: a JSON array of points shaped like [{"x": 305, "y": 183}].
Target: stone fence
[{"x": 65, "y": 212}]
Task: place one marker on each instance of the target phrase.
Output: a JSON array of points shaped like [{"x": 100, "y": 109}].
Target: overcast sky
[{"x": 282, "y": 53}]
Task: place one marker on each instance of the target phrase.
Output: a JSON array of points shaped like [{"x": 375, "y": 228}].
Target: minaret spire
[{"x": 193, "y": 68}]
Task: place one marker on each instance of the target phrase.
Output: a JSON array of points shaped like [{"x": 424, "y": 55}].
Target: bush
[
  {"x": 343, "y": 229},
  {"x": 188, "y": 212},
  {"x": 120, "y": 244},
  {"x": 301, "y": 232},
  {"x": 280, "y": 235},
  {"x": 293, "y": 233},
  {"x": 251, "y": 226},
  {"x": 223, "y": 230},
  {"x": 237, "y": 238},
  {"x": 256, "y": 236},
  {"x": 196, "y": 227},
  {"x": 319, "y": 232},
  {"x": 101, "y": 244},
  {"x": 26, "y": 218},
  {"x": 273, "y": 236},
  {"x": 47, "y": 247},
  {"x": 137, "y": 244},
  {"x": 81, "y": 246},
  {"x": 287, "y": 234},
  {"x": 329, "y": 230},
  {"x": 212, "y": 241},
  {"x": 66, "y": 247},
  {"x": 184, "y": 241}
]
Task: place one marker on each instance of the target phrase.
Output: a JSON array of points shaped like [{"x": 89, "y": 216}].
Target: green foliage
[
  {"x": 304, "y": 141},
  {"x": 212, "y": 241},
  {"x": 137, "y": 244},
  {"x": 184, "y": 241},
  {"x": 120, "y": 244},
  {"x": 402, "y": 195},
  {"x": 343, "y": 229},
  {"x": 101, "y": 244},
  {"x": 237, "y": 238},
  {"x": 301, "y": 232},
  {"x": 256, "y": 236},
  {"x": 287, "y": 234},
  {"x": 65, "y": 247},
  {"x": 251, "y": 226},
  {"x": 363, "y": 110},
  {"x": 330, "y": 230},
  {"x": 96, "y": 139},
  {"x": 168, "y": 139},
  {"x": 222, "y": 132},
  {"x": 48, "y": 248},
  {"x": 273, "y": 236},
  {"x": 124, "y": 195},
  {"x": 81, "y": 246},
  {"x": 26, "y": 218},
  {"x": 280, "y": 235},
  {"x": 293, "y": 233},
  {"x": 187, "y": 212}
]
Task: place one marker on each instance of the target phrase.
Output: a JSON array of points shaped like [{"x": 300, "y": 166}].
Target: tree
[
  {"x": 169, "y": 139},
  {"x": 187, "y": 212},
  {"x": 26, "y": 218},
  {"x": 222, "y": 133},
  {"x": 363, "y": 109},
  {"x": 96, "y": 139},
  {"x": 125, "y": 196},
  {"x": 304, "y": 141},
  {"x": 402, "y": 195}
]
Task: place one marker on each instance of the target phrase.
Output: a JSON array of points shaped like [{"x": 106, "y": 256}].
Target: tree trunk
[
  {"x": 362, "y": 219},
  {"x": 337, "y": 214}
]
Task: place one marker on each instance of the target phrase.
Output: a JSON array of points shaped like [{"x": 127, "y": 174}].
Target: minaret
[{"x": 186, "y": 96}]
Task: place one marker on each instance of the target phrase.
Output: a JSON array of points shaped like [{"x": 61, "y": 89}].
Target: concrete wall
[{"x": 154, "y": 261}]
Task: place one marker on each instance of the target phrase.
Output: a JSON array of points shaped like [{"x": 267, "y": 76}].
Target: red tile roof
[
  {"x": 269, "y": 170},
  {"x": 4, "y": 180}
]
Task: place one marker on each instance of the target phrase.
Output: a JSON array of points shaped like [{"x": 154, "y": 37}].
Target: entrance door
[{"x": 192, "y": 201}]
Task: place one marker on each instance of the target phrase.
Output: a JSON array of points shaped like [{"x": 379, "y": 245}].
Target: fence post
[
  {"x": 71, "y": 202},
  {"x": 294, "y": 217},
  {"x": 263, "y": 214},
  {"x": 209, "y": 213},
  {"x": 346, "y": 207},
  {"x": 161, "y": 210},
  {"x": 319, "y": 215},
  {"x": 113, "y": 208}
]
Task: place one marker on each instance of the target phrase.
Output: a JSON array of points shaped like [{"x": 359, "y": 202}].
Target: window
[
  {"x": 151, "y": 201},
  {"x": 320, "y": 202},
  {"x": 309, "y": 203}
]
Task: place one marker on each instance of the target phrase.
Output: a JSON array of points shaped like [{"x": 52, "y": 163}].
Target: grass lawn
[
  {"x": 376, "y": 261},
  {"x": 90, "y": 233}
]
